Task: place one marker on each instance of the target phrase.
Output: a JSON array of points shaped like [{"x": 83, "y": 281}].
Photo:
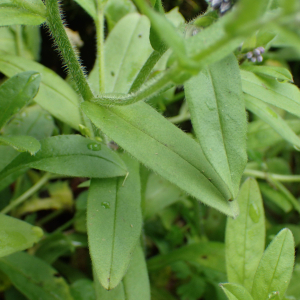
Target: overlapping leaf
[{"x": 236, "y": 292}]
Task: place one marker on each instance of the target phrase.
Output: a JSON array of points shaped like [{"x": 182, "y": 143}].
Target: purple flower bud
[
  {"x": 259, "y": 58},
  {"x": 256, "y": 52},
  {"x": 261, "y": 49},
  {"x": 249, "y": 55},
  {"x": 224, "y": 7},
  {"x": 216, "y": 3},
  {"x": 253, "y": 59}
]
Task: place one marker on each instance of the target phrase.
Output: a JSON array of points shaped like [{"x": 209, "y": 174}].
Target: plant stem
[
  {"x": 27, "y": 194},
  {"x": 68, "y": 53},
  {"x": 265, "y": 175},
  {"x": 99, "y": 22},
  {"x": 19, "y": 41},
  {"x": 49, "y": 217}
]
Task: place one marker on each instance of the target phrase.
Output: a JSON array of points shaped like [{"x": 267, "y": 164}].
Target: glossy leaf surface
[
  {"x": 245, "y": 236},
  {"x": 16, "y": 235},
  {"x": 22, "y": 143},
  {"x": 114, "y": 222},
  {"x": 22, "y": 270},
  {"x": 16, "y": 92},
  {"x": 218, "y": 116},
  {"x": 275, "y": 268},
  {"x": 235, "y": 292},
  {"x": 67, "y": 155},
  {"x": 55, "y": 95},
  {"x": 165, "y": 151}
]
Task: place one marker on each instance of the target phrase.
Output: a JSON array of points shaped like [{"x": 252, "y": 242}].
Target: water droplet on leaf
[
  {"x": 254, "y": 213},
  {"x": 105, "y": 205},
  {"x": 94, "y": 146}
]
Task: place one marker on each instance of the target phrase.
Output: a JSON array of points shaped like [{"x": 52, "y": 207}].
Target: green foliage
[{"x": 133, "y": 206}]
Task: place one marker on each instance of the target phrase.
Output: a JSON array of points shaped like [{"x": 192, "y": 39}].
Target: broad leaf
[
  {"x": 55, "y": 95},
  {"x": 21, "y": 143},
  {"x": 126, "y": 50},
  {"x": 16, "y": 235},
  {"x": 67, "y": 155},
  {"x": 16, "y": 92},
  {"x": 245, "y": 236},
  {"x": 235, "y": 292},
  {"x": 280, "y": 94},
  {"x": 169, "y": 152},
  {"x": 275, "y": 268},
  {"x": 207, "y": 254},
  {"x": 218, "y": 116},
  {"x": 135, "y": 285},
  {"x": 22, "y": 270},
  {"x": 114, "y": 222},
  {"x": 268, "y": 115}
]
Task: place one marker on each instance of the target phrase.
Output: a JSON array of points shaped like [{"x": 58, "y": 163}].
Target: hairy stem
[
  {"x": 265, "y": 175},
  {"x": 68, "y": 53}
]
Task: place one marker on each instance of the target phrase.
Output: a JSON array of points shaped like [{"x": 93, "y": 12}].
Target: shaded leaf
[
  {"x": 83, "y": 289},
  {"x": 114, "y": 222},
  {"x": 16, "y": 235},
  {"x": 245, "y": 236},
  {"x": 89, "y": 6},
  {"x": 21, "y": 143}
]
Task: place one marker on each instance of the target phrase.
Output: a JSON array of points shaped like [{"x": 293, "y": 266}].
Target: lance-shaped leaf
[
  {"x": 161, "y": 146},
  {"x": 245, "y": 236},
  {"x": 275, "y": 268},
  {"x": 218, "y": 116},
  {"x": 114, "y": 222},
  {"x": 16, "y": 235},
  {"x": 34, "y": 278},
  {"x": 134, "y": 286},
  {"x": 268, "y": 115},
  {"x": 70, "y": 155},
  {"x": 281, "y": 94},
  {"x": 235, "y": 292},
  {"x": 22, "y": 12},
  {"x": 126, "y": 50},
  {"x": 21, "y": 143},
  {"x": 16, "y": 92},
  {"x": 55, "y": 95}
]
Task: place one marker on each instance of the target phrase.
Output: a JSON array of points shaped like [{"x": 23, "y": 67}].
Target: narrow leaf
[
  {"x": 275, "y": 268},
  {"x": 22, "y": 270},
  {"x": 218, "y": 116},
  {"x": 245, "y": 236},
  {"x": 54, "y": 95},
  {"x": 67, "y": 155},
  {"x": 114, "y": 222},
  {"x": 16, "y": 92},
  {"x": 16, "y": 235},
  {"x": 169, "y": 152},
  {"x": 283, "y": 95},
  {"x": 268, "y": 115},
  {"x": 235, "y": 292},
  {"x": 21, "y": 143}
]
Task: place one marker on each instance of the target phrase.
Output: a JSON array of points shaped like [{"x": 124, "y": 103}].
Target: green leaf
[
  {"x": 7, "y": 40},
  {"x": 114, "y": 222},
  {"x": 235, "y": 292},
  {"x": 280, "y": 94},
  {"x": 16, "y": 235},
  {"x": 16, "y": 92},
  {"x": 126, "y": 50},
  {"x": 34, "y": 278},
  {"x": 207, "y": 254},
  {"x": 216, "y": 106},
  {"x": 169, "y": 152},
  {"x": 69, "y": 155},
  {"x": 268, "y": 115},
  {"x": 293, "y": 289},
  {"x": 279, "y": 73},
  {"x": 21, "y": 143},
  {"x": 275, "y": 268},
  {"x": 55, "y": 95},
  {"x": 83, "y": 289},
  {"x": 89, "y": 6},
  {"x": 22, "y": 12},
  {"x": 135, "y": 285},
  {"x": 245, "y": 236}
]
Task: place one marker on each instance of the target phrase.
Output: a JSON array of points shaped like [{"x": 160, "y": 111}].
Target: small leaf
[
  {"x": 89, "y": 6},
  {"x": 67, "y": 155},
  {"x": 245, "y": 236},
  {"x": 275, "y": 268},
  {"x": 55, "y": 95},
  {"x": 218, "y": 116},
  {"x": 16, "y": 235},
  {"x": 235, "y": 292},
  {"x": 22, "y": 270},
  {"x": 268, "y": 115},
  {"x": 279, "y": 73},
  {"x": 83, "y": 289},
  {"x": 16, "y": 92},
  {"x": 114, "y": 222},
  {"x": 165, "y": 149},
  {"x": 22, "y": 143}
]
